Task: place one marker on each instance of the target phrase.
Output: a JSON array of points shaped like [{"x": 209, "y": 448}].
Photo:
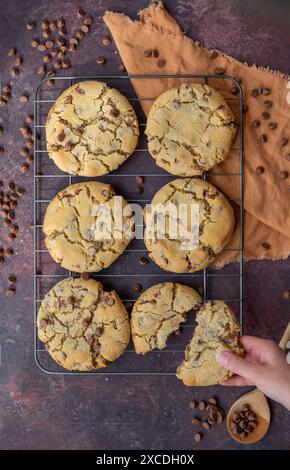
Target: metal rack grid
[{"x": 44, "y": 99}]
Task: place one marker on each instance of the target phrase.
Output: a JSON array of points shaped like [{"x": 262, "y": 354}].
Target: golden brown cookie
[
  {"x": 158, "y": 312},
  {"x": 91, "y": 129},
  {"x": 82, "y": 326},
  {"x": 217, "y": 330},
  {"x": 74, "y": 234},
  {"x": 190, "y": 129},
  {"x": 216, "y": 223}
]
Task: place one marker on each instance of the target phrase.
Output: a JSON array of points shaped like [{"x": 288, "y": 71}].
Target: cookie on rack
[
  {"x": 158, "y": 312},
  {"x": 214, "y": 224},
  {"x": 91, "y": 129},
  {"x": 217, "y": 330},
  {"x": 82, "y": 326},
  {"x": 190, "y": 129},
  {"x": 80, "y": 229}
]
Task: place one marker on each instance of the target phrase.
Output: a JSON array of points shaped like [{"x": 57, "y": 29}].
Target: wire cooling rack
[{"x": 225, "y": 284}]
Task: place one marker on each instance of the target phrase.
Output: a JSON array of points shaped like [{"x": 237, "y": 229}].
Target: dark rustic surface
[{"x": 40, "y": 411}]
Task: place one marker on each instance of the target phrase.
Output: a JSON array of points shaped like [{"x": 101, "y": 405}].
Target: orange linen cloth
[{"x": 267, "y": 195}]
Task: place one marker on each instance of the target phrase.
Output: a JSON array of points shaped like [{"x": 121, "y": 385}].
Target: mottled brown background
[{"x": 38, "y": 411}]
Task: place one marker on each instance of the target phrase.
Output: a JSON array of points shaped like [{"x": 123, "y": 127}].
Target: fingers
[
  {"x": 240, "y": 366},
  {"x": 262, "y": 350},
  {"x": 236, "y": 381}
]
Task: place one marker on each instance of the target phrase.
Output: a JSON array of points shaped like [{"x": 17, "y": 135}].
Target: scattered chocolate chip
[
  {"x": 107, "y": 41},
  {"x": 139, "y": 179},
  {"x": 41, "y": 47},
  {"x": 283, "y": 175},
  {"x": 148, "y": 53},
  {"x": 283, "y": 142},
  {"x": 46, "y": 58},
  {"x": 161, "y": 63},
  {"x": 266, "y": 246},
  {"x": 195, "y": 421},
  {"x": 9, "y": 252},
  {"x": 260, "y": 170},
  {"x": 101, "y": 60},
  {"x": 62, "y": 31},
  {"x": 205, "y": 425},
  {"x": 212, "y": 401},
  {"x": 49, "y": 44},
  {"x": 198, "y": 437},
  {"x": 41, "y": 70},
  {"x": 193, "y": 404},
  {"x": 11, "y": 185},
  {"x": 255, "y": 92},
  {"x": 139, "y": 190},
  {"x": 88, "y": 21},
  {"x": 121, "y": 68},
  {"x": 18, "y": 61},
  {"x": 143, "y": 261},
  {"x": 61, "y": 136},
  {"x": 24, "y": 168},
  {"x": 12, "y": 279},
  {"x": 2, "y": 103},
  {"x": 137, "y": 287},
  {"x": 265, "y": 115},
  {"x": 81, "y": 13},
  {"x": 255, "y": 124},
  {"x": 80, "y": 35},
  {"x": 114, "y": 112},
  {"x": 24, "y": 98},
  {"x": 44, "y": 24},
  {"x": 46, "y": 34},
  {"x": 10, "y": 292},
  {"x": 201, "y": 405},
  {"x": 272, "y": 125},
  {"x": 263, "y": 138},
  {"x": 29, "y": 119},
  {"x": 50, "y": 83},
  {"x": 35, "y": 42},
  {"x": 68, "y": 99},
  {"x": 85, "y": 28},
  {"x": 12, "y": 52},
  {"x": 61, "y": 42},
  {"x": 14, "y": 72},
  {"x": 30, "y": 25},
  {"x": 65, "y": 64},
  {"x": 85, "y": 276}
]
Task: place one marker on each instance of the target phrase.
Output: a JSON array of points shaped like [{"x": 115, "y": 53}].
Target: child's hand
[{"x": 264, "y": 365}]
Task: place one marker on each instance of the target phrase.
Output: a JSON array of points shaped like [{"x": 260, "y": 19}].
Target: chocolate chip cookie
[
  {"x": 91, "y": 129},
  {"x": 190, "y": 129},
  {"x": 81, "y": 232},
  {"x": 176, "y": 251},
  {"x": 158, "y": 312},
  {"x": 82, "y": 326},
  {"x": 217, "y": 330}
]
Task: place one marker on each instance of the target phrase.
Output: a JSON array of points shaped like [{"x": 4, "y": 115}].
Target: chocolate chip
[
  {"x": 109, "y": 300},
  {"x": 260, "y": 170},
  {"x": 68, "y": 99},
  {"x": 266, "y": 246},
  {"x": 214, "y": 55},
  {"x": 193, "y": 404},
  {"x": 24, "y": 168},
  {"x": 148, "y": 53},
  {"x": 139, "y": 179},
  {"x": 85, "y": 28},
  {"x": 80, "y": 35},
  {"x": 49, "y": 44},
  {"x": 176, "y": 104},
  {"x": 61, "y": 136},
  {"x": 29, "y": 118},
  {"x": 85, "y": 276},
  {"x": 88, "y": 21},
  {"x": 255, "y": 92},
  {"x": 265, "y": 115},
  {"x": 107, "y": 41},
  {"x": 18, "y": 61},
  {"x": 268, "y": 104},
  {"x": 219, "y": 71},
  {"x": 283, "y": 142},
  {"x": 62, "y": 31},
  {"x": 61, "y": 42},
  {"x": 198, "y": 437},
  {"x": 205, "y": 425},
  {"x": 255, "y": 124},
  {"x": 41, "y": 47},
  {"x": 24, "y": 98},
  {"x": 65, "y": 64},
  {"x": 14, "y": 72},
  {"x": 263, "y": 138},
  {"x": 143, "y": 261},
  {"x": 283, "y": 175},
  {"x": 286, "y": 294},
  {"x": 234, "y": 90},
  {"x": 99, "y": 330},
  {"x": 11, "y": 185},
  {"x": 10, "y": 292},
  {"x": 265, "y": 91},
  {"x": 12, "y": 279},
  {"x": 161, "y": 63},
  {"x": 101, "y": 60},
  {"x": 41, "y": 70},
  {"x": 114, "y": 112},
  {"x": 139, "y": 190},
  {"x": 9, "y": 252},
  {"x": 272, "y": 125},
  {"x": 212, "y": 401}
]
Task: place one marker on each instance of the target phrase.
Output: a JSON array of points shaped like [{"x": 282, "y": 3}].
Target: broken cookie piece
[
  {"x": 91, "y": 129},
  {"x": 217, "y": 330},
  {"x": 81, "y": 232},
  {"x": 190, "y": 129},
  {"x": 82, "y": 326},
  {"x": 158, "y": 312}
]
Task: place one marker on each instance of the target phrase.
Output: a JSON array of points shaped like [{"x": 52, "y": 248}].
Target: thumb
[{"x": 239, "y": 365}]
